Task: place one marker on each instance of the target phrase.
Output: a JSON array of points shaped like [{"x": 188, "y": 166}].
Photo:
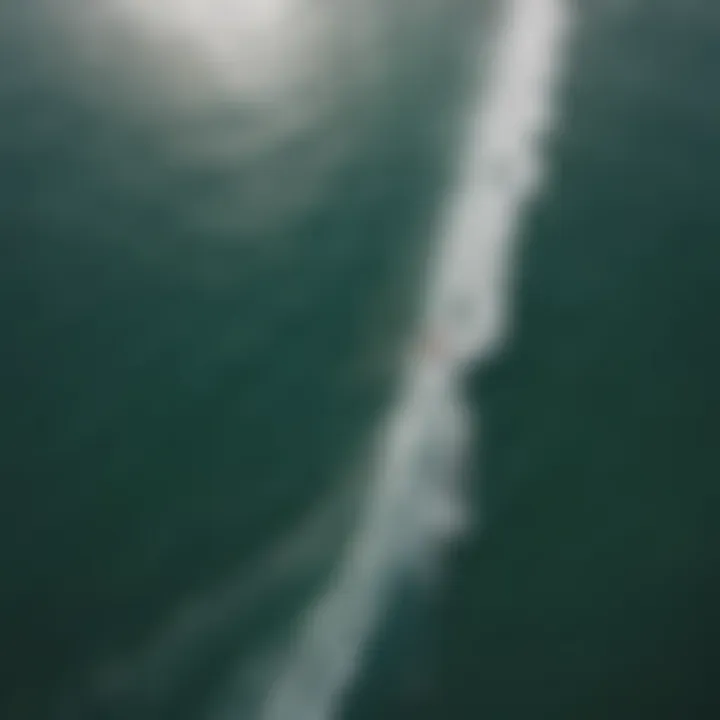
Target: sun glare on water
[
  {"x": 257, "y": 47},
  {"x": 225, "y": 83},
  {"x": 259, "y": 51}
]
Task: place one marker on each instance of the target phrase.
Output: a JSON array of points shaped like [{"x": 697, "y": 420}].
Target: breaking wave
[{"x": 415, "y": 502}]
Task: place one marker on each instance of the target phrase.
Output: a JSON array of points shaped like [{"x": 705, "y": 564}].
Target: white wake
[{"x": 415, "y": 503}]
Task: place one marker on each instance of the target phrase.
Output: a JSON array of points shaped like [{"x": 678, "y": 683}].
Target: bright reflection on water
[{"x": 278, "y": 94}]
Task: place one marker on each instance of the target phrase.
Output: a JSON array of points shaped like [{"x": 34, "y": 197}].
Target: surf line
[{"x": 415, "y": 503}]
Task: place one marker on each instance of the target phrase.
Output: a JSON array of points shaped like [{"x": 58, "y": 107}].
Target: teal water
[
  {"x": 593, "y": 591},
  {"x": 198, "y": 344}
]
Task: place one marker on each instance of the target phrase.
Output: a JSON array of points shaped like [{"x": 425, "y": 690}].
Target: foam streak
[{"x": 415, "y": 503}]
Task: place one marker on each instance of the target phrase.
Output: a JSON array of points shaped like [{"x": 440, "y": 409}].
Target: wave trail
[{"x": 415, "y": 503}]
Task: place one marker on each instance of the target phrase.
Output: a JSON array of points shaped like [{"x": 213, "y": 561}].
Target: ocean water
[{"x": 359, "y": 359}]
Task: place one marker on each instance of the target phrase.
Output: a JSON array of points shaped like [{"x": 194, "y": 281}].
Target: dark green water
[
  {"x": 180, "y": 392},
  {"x": 593, "y": 592}
]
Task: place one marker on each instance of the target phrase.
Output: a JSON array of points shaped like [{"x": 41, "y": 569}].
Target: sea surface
[{"x": 233, "y": 236}]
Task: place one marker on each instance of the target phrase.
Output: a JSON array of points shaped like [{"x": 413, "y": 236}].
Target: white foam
[{"x": 415, "y": 501}]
